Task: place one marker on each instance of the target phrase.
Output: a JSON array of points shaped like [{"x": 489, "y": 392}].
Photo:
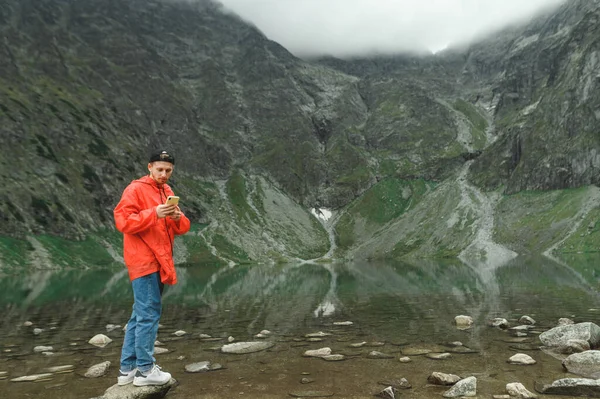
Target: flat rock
[
  {"x": 33, "y": 377},
  {"x": 415, "y": 351},
  {"x": 132, "y": 392},
  {"x": 358, "y": 344},
  {"x": 311, "y": 394},
  {"x": 198, "y": 367},
  {"x": 379, "y": 355},
  {"x": 319, "y": 334},
  {"x": 246, "y": 347},
  {"x": 318, "y": 352},
  {"x": 439, "y": 356},
  {"x": 571, "y": 387},
  {"x": 42, "y": 348},
  {"x": 333, "y": 358},
  {"x": 60, "y": 369},
  {"x": 521, "y": 358},
  {"x": 462, "y": 349}
]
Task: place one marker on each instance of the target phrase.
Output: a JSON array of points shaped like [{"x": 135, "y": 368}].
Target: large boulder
[
  {"x": 585, "y": 363},
  {"x": 561, "y": 335},
  {"x": 571, "y": 387},
  {"x": 464, "y": 387},
  {"x": 132, "y": 392}
]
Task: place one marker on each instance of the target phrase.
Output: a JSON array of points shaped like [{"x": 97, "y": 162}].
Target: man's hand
[
  {"x": 164, "y": 210},
  {"x": 176, "y": 215}
]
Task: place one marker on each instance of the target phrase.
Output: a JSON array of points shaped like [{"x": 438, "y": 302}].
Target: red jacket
[{"x": 148, "y": 240}]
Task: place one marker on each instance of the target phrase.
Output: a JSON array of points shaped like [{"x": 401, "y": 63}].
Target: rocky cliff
[{"x": 393, "y": 144}]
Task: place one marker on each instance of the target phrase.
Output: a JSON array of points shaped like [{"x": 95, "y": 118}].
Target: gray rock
[
  {"x": 571, "y": 387},
  {"x": 437, "y": 378},
  {"x": 585, "y": 363},
  {"x": 465, "y": 387},
  {"x": 100, "y": 340},
  {"x": 463, "y": 322},
  {"x": 521, "y": 358},
  {"x": 319, "y": 334},
  {"x": 42, "y": 348},
  {"x": 98, "y": 370},
  {"x": 342, "y": 323},
  {"x": 311, "y": 394},
  {"x": 559, "y": 336},
  {"x": 526, "y": 320},
  {"x": 33, "y": 377},
  {"x": 246, "y": 347},
  {"x": 306, "y": 380},
  {"x": 574, "y": 346},
  {"x": 402, "y": 383},
  {"x": 388, "y": 393},
  {"x": 60, "y": 369},
  {"x": 563, "y": 321},
  {"x": 198, "y": 367},
  {"x": 358, "y": 344},
  {"x": 516, "y": 389},
  {"x": 132, "y": 392},
  {"x": 439, "y": 356},
  {"x": 379, "y": 355},
  {"x": 415, "y": 351},
  {"x": 333, "y": 358},
  {"x": 318, "y": 352},
  {"x": 499, "y": 322}
]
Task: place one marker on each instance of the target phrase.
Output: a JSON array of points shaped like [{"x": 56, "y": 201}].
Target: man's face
[{"x": 160, "y": 171}]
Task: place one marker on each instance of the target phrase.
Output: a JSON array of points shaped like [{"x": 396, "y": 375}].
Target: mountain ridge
[{"x": 88, "y": 88}]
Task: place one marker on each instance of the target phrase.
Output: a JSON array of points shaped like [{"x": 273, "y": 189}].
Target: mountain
[{"x": 393, "y": 144}]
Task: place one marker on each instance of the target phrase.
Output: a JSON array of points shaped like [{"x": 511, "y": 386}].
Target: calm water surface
[{"x": 399, "y": 304}]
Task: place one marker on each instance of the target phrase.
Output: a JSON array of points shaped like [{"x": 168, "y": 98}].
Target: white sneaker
[
  {"x": 126, "y": 378},
  {"x": 152, "y": 377}
]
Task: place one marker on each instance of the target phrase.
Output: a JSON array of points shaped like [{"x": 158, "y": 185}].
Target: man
[{"x": 149, "y": 227}]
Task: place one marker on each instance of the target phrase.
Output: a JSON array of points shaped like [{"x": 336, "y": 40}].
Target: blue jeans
[{"x": 138, "y": 346}]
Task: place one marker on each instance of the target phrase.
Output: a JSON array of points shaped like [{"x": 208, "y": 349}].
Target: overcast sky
[{"x": 354, "y": 27}]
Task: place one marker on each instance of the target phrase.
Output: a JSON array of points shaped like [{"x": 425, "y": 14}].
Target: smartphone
[{"x": 172, "y": 200}]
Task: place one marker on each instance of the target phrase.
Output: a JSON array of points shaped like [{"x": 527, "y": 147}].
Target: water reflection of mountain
[{"x": 387, "y": 299}]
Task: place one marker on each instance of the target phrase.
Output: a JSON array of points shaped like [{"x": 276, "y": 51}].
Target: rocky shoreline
[{"x": 570, "y": 345}]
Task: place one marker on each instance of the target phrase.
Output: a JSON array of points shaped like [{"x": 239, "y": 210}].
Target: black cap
[{"x": 162, "y": 155}]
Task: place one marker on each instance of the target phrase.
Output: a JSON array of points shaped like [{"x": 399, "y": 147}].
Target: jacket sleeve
[
  {"x": 180, "y": 226},
  {"x": 129, "y": 218}
]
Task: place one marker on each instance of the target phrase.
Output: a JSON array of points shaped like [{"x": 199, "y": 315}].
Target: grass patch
[
  {"x": 469, "y": 110},
  {"x": 76, "y": 253},
  {"x": 236, "y": 191},
  {"x": 14, "y": 252},
  {"x": 382, "y": 203},
  {"x": 230, "y": 250}
]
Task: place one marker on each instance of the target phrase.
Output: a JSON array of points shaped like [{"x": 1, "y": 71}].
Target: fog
[{"x": 353, "y": 27}]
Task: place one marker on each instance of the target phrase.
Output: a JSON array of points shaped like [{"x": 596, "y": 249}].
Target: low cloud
[{"x": 353, "y": 27}]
